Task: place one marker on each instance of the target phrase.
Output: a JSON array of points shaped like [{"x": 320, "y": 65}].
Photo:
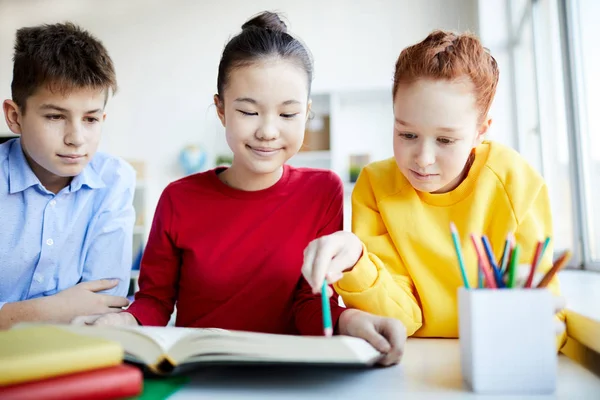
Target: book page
[
  {"x": 167, "y": 337},
  {"x": 247, "y": 346}
]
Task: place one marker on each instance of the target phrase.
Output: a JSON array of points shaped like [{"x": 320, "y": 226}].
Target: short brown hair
[
  {"x": 61, "y": 56},
  {"x": 450, "y": 56}
]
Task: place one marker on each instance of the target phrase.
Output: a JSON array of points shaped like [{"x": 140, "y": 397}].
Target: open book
[{"x": 168, "y": 350}]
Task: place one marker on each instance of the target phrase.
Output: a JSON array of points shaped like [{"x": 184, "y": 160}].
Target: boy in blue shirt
[{"x": 66, "y": 212}]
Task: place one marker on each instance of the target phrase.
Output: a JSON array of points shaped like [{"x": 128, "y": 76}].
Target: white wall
[{"x": 167, "y": 52}]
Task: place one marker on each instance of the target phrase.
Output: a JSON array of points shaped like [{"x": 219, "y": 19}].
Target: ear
[
  {"x": 483, "y": 128},
  {"x": 12, "y": 115},
  {"x": 308, "y": 108},
  {"x": 103, "y": 117},
  {"x": 220, "y": 108}
]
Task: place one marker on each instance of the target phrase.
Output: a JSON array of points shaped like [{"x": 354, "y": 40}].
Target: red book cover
[{"x": 117, "y": 382}]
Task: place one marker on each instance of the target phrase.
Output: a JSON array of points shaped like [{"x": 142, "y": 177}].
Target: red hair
[{"x": 449, "y": 56}]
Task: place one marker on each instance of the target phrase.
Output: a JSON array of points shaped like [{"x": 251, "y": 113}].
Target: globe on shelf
[{"x": 192, "y": 159}]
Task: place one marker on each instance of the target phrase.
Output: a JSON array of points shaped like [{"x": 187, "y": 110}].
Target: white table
[{"x": 430, "y": 369}]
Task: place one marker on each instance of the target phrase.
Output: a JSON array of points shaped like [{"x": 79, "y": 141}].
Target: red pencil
[{"x": 534, "y": 263}]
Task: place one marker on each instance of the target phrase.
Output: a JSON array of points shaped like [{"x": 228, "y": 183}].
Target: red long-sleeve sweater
[{"x": 232, "y": 259}]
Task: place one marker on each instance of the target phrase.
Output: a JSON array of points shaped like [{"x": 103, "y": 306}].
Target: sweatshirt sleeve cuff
[
  {"x": 146, "y": 315},
  {"x": 361, "y": 277}
]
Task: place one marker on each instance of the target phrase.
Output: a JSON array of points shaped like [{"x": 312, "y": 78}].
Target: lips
[
  {"x": 71, "y": 156},
  {"x": 423, "y": 177},
  {"x": 264, "y": 151}
]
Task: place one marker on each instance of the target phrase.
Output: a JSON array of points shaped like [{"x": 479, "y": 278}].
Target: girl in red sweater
[{"x": 227, "y": 245}]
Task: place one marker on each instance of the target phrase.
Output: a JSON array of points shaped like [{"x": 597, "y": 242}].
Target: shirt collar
[
  {"x": 21, "y": 176},
  {"x": 88, "y": 177}
]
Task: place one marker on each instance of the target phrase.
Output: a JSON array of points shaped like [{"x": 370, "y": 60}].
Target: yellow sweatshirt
[{"x": 409, "y": 269}]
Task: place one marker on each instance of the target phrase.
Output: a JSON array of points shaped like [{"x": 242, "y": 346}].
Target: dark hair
[
  {"x": 262, "y": 37},
  {"x": 62, "y": 57}
]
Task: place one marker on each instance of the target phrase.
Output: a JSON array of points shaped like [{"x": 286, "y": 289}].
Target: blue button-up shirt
[{"x": 50, "y": 242}]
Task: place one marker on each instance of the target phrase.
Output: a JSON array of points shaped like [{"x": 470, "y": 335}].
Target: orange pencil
[{"x": 561, "y": 262}]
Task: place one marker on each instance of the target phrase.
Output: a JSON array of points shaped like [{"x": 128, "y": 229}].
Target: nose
[
  {"x": 268, "y": 129},
  {"x": 74, "y": 135},
  {"x": 425, "y": 156}
]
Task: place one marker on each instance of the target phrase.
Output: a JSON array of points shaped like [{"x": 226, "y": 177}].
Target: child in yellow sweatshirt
[{"x": 400, "y": 261}]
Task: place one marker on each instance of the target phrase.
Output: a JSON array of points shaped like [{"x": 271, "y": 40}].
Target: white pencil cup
[{"x": 507, "y": 340}]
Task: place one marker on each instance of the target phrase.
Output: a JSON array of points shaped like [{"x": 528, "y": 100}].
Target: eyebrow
[
  {"x": 252, "y": 101},
  {"x": 64, "y": 110},
  {"x": 441, "y": 129}
]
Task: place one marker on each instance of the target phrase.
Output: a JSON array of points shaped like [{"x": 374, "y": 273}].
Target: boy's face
[
  {"x": 264, "y": 109},
  {"x": 59, "y": 133},
  {"x": 435, "y": 129}
]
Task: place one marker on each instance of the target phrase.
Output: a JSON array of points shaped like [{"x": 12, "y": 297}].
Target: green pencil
[
  {"x": 512, "y": 269},
  {"x": 461, "y": 262}
]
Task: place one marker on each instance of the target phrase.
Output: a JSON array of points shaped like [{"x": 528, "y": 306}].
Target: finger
[
  {"x": 114, "y": 301},
  {"x": 99, "y": 285},
  {"x": 309, "y": 258},
  {"x": 109, "y": 319},
  {"x": 325, "y": 253},
  {"x": 85, "y": 319},
  {"x": 377, "y": 340},
  {"x": 336, "y": 267},
  {"x": 395, "y": 334},
  {"x": 329, "y": 291},
  {"x": 333, "y": 277}
]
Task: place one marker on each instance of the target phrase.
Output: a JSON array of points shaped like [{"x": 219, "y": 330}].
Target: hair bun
[{"x": 266, "y": 20}]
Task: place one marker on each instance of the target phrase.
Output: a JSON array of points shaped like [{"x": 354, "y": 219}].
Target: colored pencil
[
  {"x": 327, "y": 325},
  {"x": 489, "y": 278},
  {"x": 512, "y": 269},
  {"x": 561, "y": 262},
  {"x": 534, "y": 264},
  {"x": 506, "y": 254},
  {"x": 490, "y": 254},
  {"x": 461, "y": 262}
]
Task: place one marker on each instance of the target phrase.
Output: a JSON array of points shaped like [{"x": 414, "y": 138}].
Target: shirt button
[
  {"x": 49, "y": 242},
  {"x": 52, "y": 203},
  {"x": 38, "y": 278}
]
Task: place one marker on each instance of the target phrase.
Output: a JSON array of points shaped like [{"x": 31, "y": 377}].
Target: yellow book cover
[{"x": 40, "y": 352}]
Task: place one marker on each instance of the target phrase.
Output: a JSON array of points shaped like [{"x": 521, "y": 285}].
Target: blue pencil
[
  {"x": 505, "y": 255},
  {"x": 327, "y": 325},
  {"x": 488, "y": 250}
]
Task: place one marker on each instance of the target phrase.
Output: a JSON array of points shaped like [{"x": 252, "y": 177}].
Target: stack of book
[{"x": 47, "y": 362}]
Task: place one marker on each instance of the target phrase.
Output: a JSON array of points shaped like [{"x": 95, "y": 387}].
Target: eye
[
  {"x": 92, "y": 120},
  {"x": 247, "y": 113},
  {"x": 54, "y": 117},
  {"x": 407, "y": 135},
  {"x": 446, "y": 141},
  {"x": 288, "y": 116}
]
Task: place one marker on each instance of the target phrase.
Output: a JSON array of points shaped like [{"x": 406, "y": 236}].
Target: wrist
[
  {"x": 345, "y": 319},
  {"x": 357, "y": 251},
  {"x": 131, "y": 320},
  {"x": 53, "y": 309}
]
